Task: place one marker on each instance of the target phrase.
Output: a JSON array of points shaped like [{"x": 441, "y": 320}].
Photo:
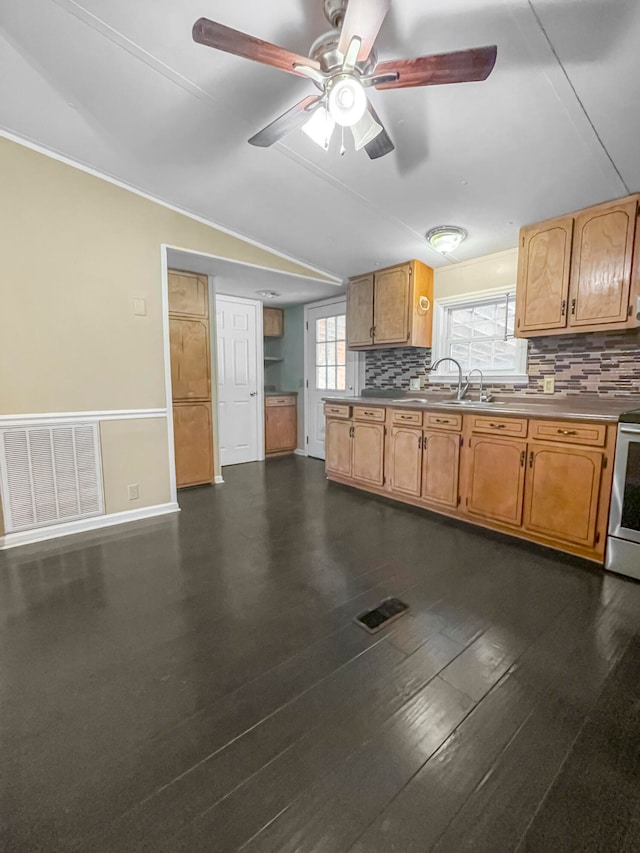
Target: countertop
[
  {"x": 574, "y": 408},
  {"x": 280, "y": 393}
]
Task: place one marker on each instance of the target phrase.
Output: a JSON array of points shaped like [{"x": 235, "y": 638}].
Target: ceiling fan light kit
[
  {"x": 343, "y": 64},
  {"x": 446, "y": 238}
]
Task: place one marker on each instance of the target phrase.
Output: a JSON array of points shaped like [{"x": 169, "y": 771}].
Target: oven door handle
[{"x": 630, "y": 431}]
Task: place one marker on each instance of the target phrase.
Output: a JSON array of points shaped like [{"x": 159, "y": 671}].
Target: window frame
[{"x": 446, "y": 373}]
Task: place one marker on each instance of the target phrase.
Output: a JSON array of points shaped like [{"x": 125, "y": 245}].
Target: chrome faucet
[
  {"x": 460, "y": 392},
  {"x": 484, "y": 398}
]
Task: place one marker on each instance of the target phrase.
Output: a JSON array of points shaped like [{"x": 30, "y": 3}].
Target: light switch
[
  {"x": 133, "y": 492},
  {"x": 140, "y": 307}
]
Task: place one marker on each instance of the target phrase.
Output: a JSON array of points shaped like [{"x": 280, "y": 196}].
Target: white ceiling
[
  {"x": 121, "y": 87},
  {"x": 237, "y": 279}
]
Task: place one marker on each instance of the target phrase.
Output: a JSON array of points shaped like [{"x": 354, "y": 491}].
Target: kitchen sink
[
  {"x": 409, "y": 400},
  {"x": 477, "y": 404}
]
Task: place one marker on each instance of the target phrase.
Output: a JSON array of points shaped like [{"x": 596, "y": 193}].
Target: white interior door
[
  {"x": 240, "y": 393},
  {"x": 332, "y": 370}
]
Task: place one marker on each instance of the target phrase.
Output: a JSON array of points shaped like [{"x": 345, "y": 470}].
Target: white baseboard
[
  {"x": 299, "y": 452},
  {"x": 218, "y": 479},
  {"x": 83, "y": 525}
]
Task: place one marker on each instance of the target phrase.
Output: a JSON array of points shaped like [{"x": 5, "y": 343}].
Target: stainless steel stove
[{"x": 623, "y": 543}]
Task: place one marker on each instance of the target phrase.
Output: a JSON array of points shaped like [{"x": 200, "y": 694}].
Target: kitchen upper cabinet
[
  {"x": 544, "y": 266},
  {"x": 360, "y": 311},
  {"x": 578, "y": 273},
  {"x": 602, "y": 264},
  {"x": 367, "y": 460},
  {"x": 338, "y": 447},
  {"x": 440, "y": 467},
  {"x": 272, "y": 322},
  {"x": 190, "y": 359},
  {"x": 405, "y": 460},
  {"x": 391, "y": 307},
  {"x": 563, "y": 487},
  {"x": 495, "y": 481}
]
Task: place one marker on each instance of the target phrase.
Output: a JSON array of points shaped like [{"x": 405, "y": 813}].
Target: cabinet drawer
[
  {"x": 570, "y": 432},
  {"x": 285, "y": 400},
  {"x": 399, "y": 416},
  {"x": 499, "y": 426},
  {"x": 364, "y": 413},
  {"x": 435, "y": 420},
  {"x": 333, "y": 410}
]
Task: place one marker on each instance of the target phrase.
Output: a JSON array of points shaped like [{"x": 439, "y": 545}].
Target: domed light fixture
[
  {"x": 268, "y": 294},
  {"x": 347, "y": 100},
  {"x": 446, "y": 238}
]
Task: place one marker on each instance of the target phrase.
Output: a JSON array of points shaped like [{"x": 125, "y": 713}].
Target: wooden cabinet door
[
  {"x": 544, "y": 265},
  {"x": 391, "y": 305},
  {"x": 338, "y": 447},
  {"x": 441, "y": 467},
  {"x": 602, "y": 259},
  {"x": 272, "y": 322},
  {"x": 368, "y": 453},
  {"x": 563, "y": 487},
  {"x": 190, "y": 361},
  {"x": 188, "y": 294},
  {"x": 404, "y": 456},
  {"x": 360, "y": 311},
  {"x": 193, "y": 447},
  {"x": 495, "y": 482},
  {"x": 281, "y": 428}
]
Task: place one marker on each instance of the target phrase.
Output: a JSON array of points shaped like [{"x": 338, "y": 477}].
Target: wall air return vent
[{"x": 50, "y": 474}]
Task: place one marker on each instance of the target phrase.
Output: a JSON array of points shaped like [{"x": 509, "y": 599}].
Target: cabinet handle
[
  {"x": 523, "y": 458},
  {"x": 351, "y": 432},
  {"x": 568, "y": 431},
  {"x": 369, "y": 414},
  {"x": 531, "y": 459},
  {"x": 406, "y": 417},
  {"x": 563, "y": 308},
  {"x": 370, "y": 331},
  {"x": 420, "y": 443},
  {"x": 573, "y": 306},
  {"x": 498, "y": 426},
  {"x": 444, "y": 421}
]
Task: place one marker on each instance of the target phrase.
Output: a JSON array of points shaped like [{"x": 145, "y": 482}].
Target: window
[
  {"x": 477, "y": 330},
  {"x": 331, "y": 353}
]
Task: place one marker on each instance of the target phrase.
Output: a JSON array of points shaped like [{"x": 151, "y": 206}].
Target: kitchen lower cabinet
[
  {"x": 404, "y": 458},
  {"x": 280, "y": 424},
  {"x": 441, "y": 467},
  {"x": 562, "y": 492},
  {"x": 367, "y": 461},
  {"x": 338, "y": 447},
  {"x": 495, "y": 485},
  {"x": 546, "y": 480},
  {"x": 193, "y": 443}
]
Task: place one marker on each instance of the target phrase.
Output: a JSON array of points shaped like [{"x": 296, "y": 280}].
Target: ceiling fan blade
[
  {"x": 285, "y": 123},
  {"x": 224, "y": 38},
  {"x": 460, "y": 66},
  {"x": 382, "y": 143},
  {"x": 362, "y": 20}
]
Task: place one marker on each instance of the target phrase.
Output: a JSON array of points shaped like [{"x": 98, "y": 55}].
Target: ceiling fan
[{"x": 343, "y": 64}]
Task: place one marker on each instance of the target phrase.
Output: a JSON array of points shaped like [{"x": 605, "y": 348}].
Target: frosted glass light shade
[
  {"x": 320, "y": 127},
  {"x": 347, "y": 101}
]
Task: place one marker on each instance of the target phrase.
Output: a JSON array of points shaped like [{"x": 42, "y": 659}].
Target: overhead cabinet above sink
[
  {"x": 392, "y": 307},
  {"x": 578, "y": 273}
]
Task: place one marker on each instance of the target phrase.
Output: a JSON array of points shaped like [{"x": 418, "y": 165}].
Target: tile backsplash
[{"x": 603, "y": 363}]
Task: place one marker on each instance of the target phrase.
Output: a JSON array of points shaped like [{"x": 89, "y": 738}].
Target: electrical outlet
[
  {"x": 549, "y": 384},
  {"x": 133, "y": 492},
  {"x": 414, "y": 384}
]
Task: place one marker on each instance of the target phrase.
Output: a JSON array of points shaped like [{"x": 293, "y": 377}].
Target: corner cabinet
[
  {"x": 548, "y": 481},
  {"x": 578, "y": 273},
  {"x": 391, "y": 307}
]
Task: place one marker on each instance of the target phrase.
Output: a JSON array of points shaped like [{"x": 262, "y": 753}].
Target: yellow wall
[
  {"x": 131, "y": 454},
  {"x": 76, "y": 250},
  {"x": 486, "y": 273}
]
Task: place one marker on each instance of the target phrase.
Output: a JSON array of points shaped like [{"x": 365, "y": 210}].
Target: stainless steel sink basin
[
  {"x": 409, "y": 400},
  {"x": 472, "y": 404}
]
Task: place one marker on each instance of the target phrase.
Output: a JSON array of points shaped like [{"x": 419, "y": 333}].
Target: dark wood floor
[{"x": 196, "y": 683}]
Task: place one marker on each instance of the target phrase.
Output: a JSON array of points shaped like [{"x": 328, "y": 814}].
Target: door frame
[
  {"x": 259, "y": 363},
  {"x": 360, "y": 361}
]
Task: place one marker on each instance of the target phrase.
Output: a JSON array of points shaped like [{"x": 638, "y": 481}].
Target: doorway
[
  {"x": 240, "y": 380},
  {"x": 330, "y": 368}
]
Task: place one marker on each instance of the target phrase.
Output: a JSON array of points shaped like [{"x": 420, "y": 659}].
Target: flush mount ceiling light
[
  {"x": 446, "y": 238},
  {"x": 268, "y": 294}
]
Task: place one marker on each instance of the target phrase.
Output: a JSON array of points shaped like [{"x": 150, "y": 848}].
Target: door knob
[{"x": 252, "y": 393}]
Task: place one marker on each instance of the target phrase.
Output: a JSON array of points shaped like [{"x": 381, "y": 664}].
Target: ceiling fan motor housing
[{"x": 325, "y": 51}]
